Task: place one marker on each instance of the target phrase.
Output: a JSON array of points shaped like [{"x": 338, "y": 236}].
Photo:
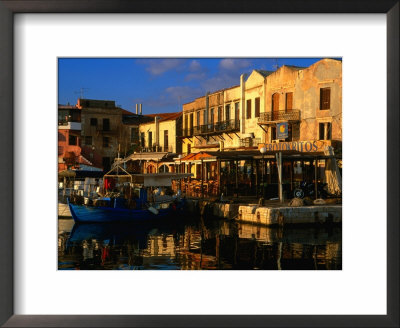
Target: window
[
  {"x": 273, "y": 133},
  {"x": 227, "y": 112},
  {"x": 198, "y": 118},
  {"x": 134, "y": 135},
  {"x": 189, "y": 148},
  {"x": 106, "y": 124},
  {"x": 325, "y": 98},
  {"x": 257, "y": 107},
  {"x": 212, "y": 116},
  {"x": 237, "y": 111},
  {"x": 294, "y": 129},
  {"x": 72, "y": 140},
  {"x": 275, "y": 102},
  {"x": 106, "y": 142},
  {"x": 186, "y": 122},
  {"x": 289, "y": 101},
  {"x": 248, "y": 107},
  {"x": 142, "y": 139},
  {"x": 191, "y": 121},
  {"x": 205, "y": 117},
  {"x": 165, "y": 140},
  {"x": 220, "y": 114},
  {"x": 88, "y": 140},
  {"x": 93, "y": 121},
  {"x": 325, "y": 131},
  {"x": 150, "y": 139}
]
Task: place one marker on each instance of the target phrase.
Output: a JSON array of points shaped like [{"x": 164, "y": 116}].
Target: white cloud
[
  {"x": 160, "y": 66},
  {"x": 230, "y": 64},
  {"x": 194, "y": 66}
]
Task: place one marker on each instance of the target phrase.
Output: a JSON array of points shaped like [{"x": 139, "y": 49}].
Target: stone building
[
  {"x": 102, "y": 132},
  {"x": 294, "y": 112},
  {"x": 308, "y": 100}
]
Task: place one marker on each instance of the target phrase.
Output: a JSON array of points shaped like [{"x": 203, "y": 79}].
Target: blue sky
[{"x": 160, "y": 84}]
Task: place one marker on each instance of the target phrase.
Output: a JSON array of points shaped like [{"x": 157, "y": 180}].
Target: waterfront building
[
  {"x": 159, "y": 142},
  {"x": 295, "y": 112},
  {"x": 102, "y": 132},
  {"x": 69, "y": 139}
]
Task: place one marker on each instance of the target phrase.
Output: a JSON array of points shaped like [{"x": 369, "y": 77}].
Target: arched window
[
  {"x": 275, "y": 102},
  {"x": 163, "y": 169}
]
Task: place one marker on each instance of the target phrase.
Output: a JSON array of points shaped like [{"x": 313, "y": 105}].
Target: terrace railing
[
  {"x": 281, "y": 115},
  {"x": 219, "y": 127},
  {"x": 250, "y": 142}
]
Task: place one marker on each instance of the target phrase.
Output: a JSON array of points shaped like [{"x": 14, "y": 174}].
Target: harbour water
[{"x": 197, "y": 244}]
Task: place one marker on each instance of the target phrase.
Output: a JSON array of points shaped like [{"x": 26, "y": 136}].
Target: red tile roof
[
  {"x": 166, "y": 116},
  {"x": 126, "y": 112}
]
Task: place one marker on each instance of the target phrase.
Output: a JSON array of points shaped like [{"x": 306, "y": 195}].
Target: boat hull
[{"x": 92, "y": 214}]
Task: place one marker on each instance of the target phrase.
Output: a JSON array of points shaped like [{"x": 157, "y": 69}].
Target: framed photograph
[{"x": 50, "y": 49}]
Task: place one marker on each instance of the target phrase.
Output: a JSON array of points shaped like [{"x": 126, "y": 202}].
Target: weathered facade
[
  {"x": 102, "y": 132},
  {"x": 310, "y": 99},
  {"x": 246, "y": 116},
  {"x": 69, "y": 134}
]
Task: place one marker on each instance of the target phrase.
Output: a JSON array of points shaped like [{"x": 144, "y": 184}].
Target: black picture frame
[{"x": 7, "y": 10}]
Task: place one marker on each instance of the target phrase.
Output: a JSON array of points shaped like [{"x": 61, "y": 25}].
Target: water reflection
[{"x": 197, "y": 245}]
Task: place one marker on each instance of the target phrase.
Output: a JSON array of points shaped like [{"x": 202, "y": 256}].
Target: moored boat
[{"x": 135, "y": 201}]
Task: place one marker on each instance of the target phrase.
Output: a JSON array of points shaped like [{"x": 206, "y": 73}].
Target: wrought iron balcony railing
[
  {"x": 281, "y": 115},
  {"x": 219, "y": 127},
  {"x": 250, "y": 142}
]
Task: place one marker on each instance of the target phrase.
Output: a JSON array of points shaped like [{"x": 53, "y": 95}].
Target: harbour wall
[{"x": 265, "y": 215}]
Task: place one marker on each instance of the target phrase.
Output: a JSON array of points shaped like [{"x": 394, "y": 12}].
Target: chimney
[
  {"x": 137, "y": 109},
  {"x": 140, "y": 109}
]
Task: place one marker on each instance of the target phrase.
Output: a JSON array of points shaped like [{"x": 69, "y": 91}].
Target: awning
[{"x": 150, "y": 156}]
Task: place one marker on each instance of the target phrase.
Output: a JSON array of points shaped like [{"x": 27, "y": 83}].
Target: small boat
[{"x": 135, "y": 202}]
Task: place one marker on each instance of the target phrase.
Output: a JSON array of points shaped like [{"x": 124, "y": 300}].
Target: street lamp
[{"x": 263, "y": 150}]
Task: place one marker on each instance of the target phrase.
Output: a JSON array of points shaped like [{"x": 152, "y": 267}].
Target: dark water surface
[{"x": 197, "y": 244}]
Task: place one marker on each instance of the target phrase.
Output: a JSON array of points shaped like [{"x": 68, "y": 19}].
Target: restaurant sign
[
  {"x": 282, "y": 130},
  {"x": 300, "y": 146}
]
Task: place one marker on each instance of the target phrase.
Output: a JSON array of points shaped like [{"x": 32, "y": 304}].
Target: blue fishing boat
[{"x": 137, "y": 200}]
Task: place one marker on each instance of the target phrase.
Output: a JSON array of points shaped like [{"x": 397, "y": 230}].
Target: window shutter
[
  {"x": 289, "y": 101},
  {"x": 325, "y": 98},
  {"x": 257, "y": 107}
]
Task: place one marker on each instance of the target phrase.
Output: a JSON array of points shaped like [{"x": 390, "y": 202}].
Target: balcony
[
  {"x": 216, "y": 128},
  {"x": 250, "y": 142},
  {"x": 64, "y": 125},
  {"x": 279, "y": 116}
]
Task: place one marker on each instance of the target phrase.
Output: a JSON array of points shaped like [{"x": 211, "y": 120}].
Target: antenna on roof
[{"x": 81, "y": 92}]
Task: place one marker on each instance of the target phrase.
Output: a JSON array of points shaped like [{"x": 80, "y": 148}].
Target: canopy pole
[
  {"x": 279, "y": 163},
  {"x": 316, "y": 177}
]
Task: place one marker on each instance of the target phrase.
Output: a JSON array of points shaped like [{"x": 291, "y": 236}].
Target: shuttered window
[
  {"x": 275, "y": 102},
  {"x": 248, "y": 108},
  {"x": 325, "y": 98},
  {"x": 237, "y": 111},
  {"x": 220, "y": 114},
  {"x": 289, "y": 101},
  {"x": 227, "y": 112},
  {"x": 257, "y": 107}
]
